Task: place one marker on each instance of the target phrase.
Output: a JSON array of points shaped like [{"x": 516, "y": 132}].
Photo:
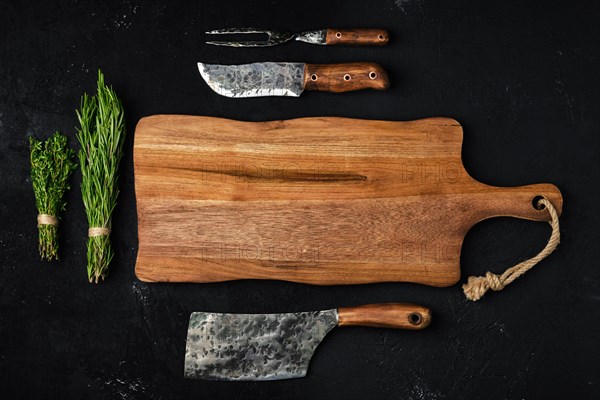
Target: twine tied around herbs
[
  {"x": 98, "y": 231},
  {"x": 47, "y": 219},
  {"x": 477, "y": 286}
]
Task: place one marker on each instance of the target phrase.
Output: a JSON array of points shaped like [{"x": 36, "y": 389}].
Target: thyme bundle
[
  {"x": 52, "y": 163},
  {"x": 101, "y": 134}
]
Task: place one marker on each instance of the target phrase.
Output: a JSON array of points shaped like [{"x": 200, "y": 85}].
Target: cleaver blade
[{"x": 257, "y": 347}]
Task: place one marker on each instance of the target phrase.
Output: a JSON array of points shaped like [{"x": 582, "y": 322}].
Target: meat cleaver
[{"x": 260, "y": 347}]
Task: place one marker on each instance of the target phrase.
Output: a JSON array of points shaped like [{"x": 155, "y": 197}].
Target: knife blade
[
  {"x": 291, "y": 79},
  {"x": 258, "y": 347}
]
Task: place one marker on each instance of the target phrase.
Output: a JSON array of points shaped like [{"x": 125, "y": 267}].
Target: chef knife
[
  {"x": 260, "y": 347},
  {"x": 291, "y": 79}
]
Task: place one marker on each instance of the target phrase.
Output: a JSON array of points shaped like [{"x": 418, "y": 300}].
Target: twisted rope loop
[{"x": 477, "y": 286}]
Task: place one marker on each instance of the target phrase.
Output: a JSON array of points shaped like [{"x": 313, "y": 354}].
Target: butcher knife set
[{"x": 324, "y": 201}]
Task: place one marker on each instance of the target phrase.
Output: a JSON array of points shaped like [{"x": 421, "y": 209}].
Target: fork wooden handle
[{"x": 357, "y": 37}]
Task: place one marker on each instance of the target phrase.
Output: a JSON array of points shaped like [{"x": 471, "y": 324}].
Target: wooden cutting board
[{"x": 314, "y": 200}]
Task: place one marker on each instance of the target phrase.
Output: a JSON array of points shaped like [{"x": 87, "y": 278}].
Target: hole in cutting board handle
[{"x": 535, "y": 202}]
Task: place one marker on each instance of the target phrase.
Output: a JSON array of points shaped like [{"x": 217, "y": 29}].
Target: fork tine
[
  {"x": 264, "y": 43},
  {"x": 274, "y": 37},
  {"x": 233, "y": 31}
]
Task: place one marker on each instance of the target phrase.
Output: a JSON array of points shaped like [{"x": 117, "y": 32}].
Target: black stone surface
[{"x": 522, "y": 78}]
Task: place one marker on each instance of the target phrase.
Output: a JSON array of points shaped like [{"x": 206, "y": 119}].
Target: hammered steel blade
[
  {"x": 254, "y": 80},
  {"x": 254, "y": 346},
  {"x": 274, "y": 37}
]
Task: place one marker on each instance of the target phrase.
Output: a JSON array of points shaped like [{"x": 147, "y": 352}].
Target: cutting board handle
[
  {"x": 387, "y": 315},
  {"x": 518, "y": 202}
]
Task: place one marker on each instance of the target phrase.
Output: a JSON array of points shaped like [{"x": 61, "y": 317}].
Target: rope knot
[
  {"x": 494, "y": 281},
  {"x": 476, "y": 286}
]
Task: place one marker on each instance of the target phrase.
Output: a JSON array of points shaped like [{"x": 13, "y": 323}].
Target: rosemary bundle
[
  {"x": 52, "y": 163},
  {"x": 101, "y": 134}
]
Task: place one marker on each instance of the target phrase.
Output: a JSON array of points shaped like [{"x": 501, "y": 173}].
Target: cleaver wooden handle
[
  {"x": 357, "y": 37},
  {"x": 387, "y": 315},
  {"x": 345, "y": 77}
]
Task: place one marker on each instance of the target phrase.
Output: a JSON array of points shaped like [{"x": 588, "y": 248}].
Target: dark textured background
[{"x": 522, "y": 78}]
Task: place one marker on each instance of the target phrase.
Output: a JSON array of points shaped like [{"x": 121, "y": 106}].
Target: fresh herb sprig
[
  {"x": 52, "y": 163},
  {"x": 102, "y": 135}
]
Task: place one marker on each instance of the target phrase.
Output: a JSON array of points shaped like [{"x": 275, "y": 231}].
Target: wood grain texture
[
  {"x": 314, "y": 200},
  {"x": 387, "y": 315},
  {"x": 357, "y": 37},
  {"x": 345, "y": 77}
]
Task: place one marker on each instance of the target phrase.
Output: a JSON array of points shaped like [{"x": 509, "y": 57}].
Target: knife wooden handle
[
  {"x": 357, "y": 37},
  {"x": 388, "y": 315},
  {"x": 345, "y": 77}
]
